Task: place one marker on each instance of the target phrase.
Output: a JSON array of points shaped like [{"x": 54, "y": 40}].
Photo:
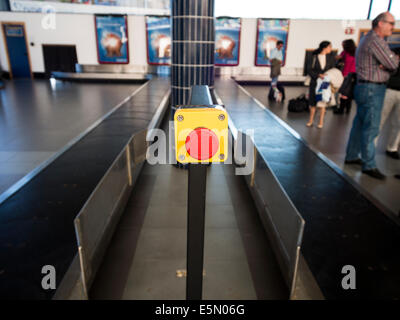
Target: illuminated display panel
[
  {"x": 112, "y": 39},
  {"x": 269, "y": 32},
  {"x": 227, "y": 41},
  {"x": 158, "y": 32}
]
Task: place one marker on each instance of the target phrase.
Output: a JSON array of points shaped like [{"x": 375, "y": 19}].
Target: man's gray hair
[{"x": 380, "y": 17}]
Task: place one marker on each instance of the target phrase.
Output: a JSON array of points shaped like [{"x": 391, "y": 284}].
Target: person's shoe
[
  {"x": 320, "y": 126},
  {"x": 309, "y": 124},
  {"x": 397, "y": 176},
  {"x": 355, "y": 161},
  {"x": 338, "y": 111},
  {"x": 393, "y": 154},
  {"x": 375, "y": 173}
]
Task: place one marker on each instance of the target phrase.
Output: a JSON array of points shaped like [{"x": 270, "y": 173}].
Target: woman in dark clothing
[
  {"x": 321, "y": 62},
  {"x": 349, "y": 72}
]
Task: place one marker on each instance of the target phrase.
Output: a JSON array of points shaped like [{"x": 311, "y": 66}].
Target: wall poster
[
  {"x": 269, "y": 31},
  {"x": 227, "y": 41},
  {"x": 393, "y": 40},
  {"x": 112, "y": 39},
  {"x": 158, "y": 31}
]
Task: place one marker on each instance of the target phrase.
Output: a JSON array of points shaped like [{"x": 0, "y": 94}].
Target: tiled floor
[
  {"x": 40, "y": 117},
  {"x": 332, "y": 140}
]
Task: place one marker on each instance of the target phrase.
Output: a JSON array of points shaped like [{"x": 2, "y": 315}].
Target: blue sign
[
  {"x": 227, "y": 41},
  {"x": 112, "y": 39},
  {"x": 158, "y": 40},
  {"x": 269, "y": 32}
]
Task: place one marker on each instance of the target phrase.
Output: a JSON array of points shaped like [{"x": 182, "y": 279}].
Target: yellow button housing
[{"x": 187, "y": 119}]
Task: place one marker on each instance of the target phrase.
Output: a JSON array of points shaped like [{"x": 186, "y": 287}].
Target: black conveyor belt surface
[
  {"x": 342, "y": 227},
  {"x": 36, "y": 223}
]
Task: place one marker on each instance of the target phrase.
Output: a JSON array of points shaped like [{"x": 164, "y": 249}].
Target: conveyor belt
[
  {"x": 149, "y": 245},
  {"x": 101, "y": 77},
  {"x": 342, "y": 227},
  {"x": 36, "y": 223}
]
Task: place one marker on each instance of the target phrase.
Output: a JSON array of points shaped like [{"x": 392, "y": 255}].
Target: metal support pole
[
  {"x": 199, "y": 95},
  {"x": 195, "y": 230}
]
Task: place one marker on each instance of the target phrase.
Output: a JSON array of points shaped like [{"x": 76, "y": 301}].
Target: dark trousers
[{"x": 345, "y": 104}]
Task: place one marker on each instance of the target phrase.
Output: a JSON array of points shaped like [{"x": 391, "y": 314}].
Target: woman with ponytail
[{"x": 321, "y": 62}]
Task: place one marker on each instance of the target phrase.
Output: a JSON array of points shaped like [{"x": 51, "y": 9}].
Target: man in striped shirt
[{"x": 374, "y": 63}]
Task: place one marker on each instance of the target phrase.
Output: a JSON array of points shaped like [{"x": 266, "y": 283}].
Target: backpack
[
  {"x": 298, "y": 104},
  {"x": 271, "y": 94}
]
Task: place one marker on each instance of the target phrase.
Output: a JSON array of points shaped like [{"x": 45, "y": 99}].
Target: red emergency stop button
[{"x": 202, "y": 144}]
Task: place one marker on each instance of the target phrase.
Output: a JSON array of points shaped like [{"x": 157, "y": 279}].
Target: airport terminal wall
[{"x": 79, "y": 30}]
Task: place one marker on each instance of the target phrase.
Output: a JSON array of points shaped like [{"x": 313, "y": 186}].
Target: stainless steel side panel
[
  {"x": 282, "y": 216},
  {"x": 94, "y": 218},
  {"x": 282, "y": 222}
]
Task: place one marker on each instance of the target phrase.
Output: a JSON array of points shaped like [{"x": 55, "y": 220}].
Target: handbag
[
  {"x": 298, "y": 104},
  {"x": 348, "y": 85}
]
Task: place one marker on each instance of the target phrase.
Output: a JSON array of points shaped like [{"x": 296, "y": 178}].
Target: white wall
[
  {"x": 72, "y": 29},
  {"x": 137, "y": 40},
  {"x": 303, "y": 34},
  {"x": 78, "y": 29},
  {"x": 306, "y": 34}
]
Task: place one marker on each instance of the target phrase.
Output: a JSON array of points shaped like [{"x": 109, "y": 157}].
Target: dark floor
[
  {"x": 331, "y": 141},
  {"x": 37, "y": 222},
  {"x": 41, "y": 117},
  {"x": 343, "y": 226}
]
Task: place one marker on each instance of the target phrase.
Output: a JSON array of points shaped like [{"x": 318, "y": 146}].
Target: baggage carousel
[{"x": 284, "y": 231}]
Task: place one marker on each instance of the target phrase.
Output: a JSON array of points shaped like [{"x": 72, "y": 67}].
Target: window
[
  {"x": 395, "y": 9},
  {"x": 379, "y": 6},
  {"x": 294, "y": 9}
]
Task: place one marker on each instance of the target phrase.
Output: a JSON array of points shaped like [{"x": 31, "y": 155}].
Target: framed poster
[
  {"x": 112, "y": 39},
  {"x": 227, "y": 41},
  {"x": 269, "y": 32},
  {"x": 361, "y": 34},
  {"x": 393, "y": 40},
  {"x": 158, "y": 32}
]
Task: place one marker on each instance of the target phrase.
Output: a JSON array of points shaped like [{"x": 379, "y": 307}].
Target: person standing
[
  {"x": 276, "y": 58},
  {"x": 321, "y": 62},
  {"x": 349, "y": 69},
  {"x": 374, "y": 62},
  {"x": 392, "y": 104}
]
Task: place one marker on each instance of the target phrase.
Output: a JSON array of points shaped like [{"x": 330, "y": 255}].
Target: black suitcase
[{"x": 299, "y": 104}]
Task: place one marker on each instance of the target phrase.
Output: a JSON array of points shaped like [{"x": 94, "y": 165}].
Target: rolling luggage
[{"x": 271, "y": 94}]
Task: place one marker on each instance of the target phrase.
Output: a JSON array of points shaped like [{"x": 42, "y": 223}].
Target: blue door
[{"x": 17, "y": 50}]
